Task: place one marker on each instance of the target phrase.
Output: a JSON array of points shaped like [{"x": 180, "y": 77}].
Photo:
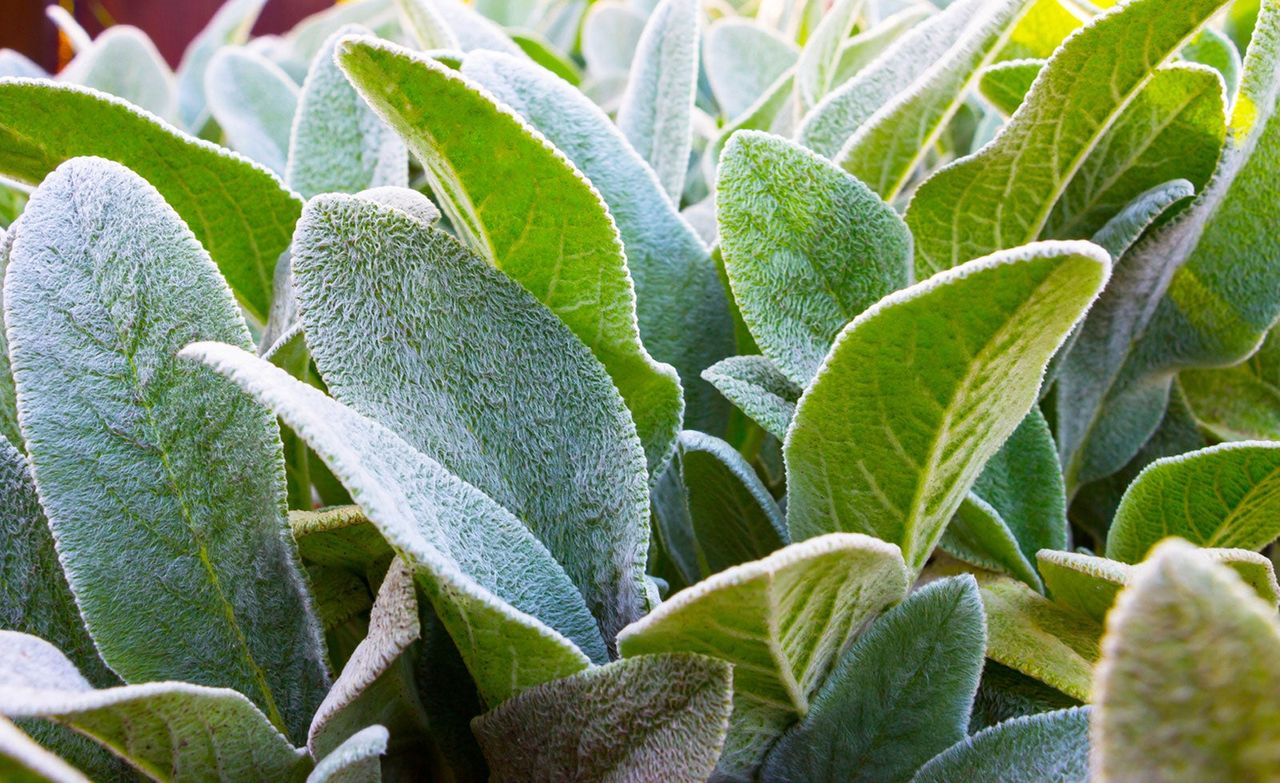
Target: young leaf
[
  {"x": 1007, "y": 83},
  {"x": 1128, "y": 225},
  {"x": 104, "y": 285},
  {"x": 404, "y": 322},
  {"x": 1030, "y": 634},
  {"x": 1086, "y": 84},
  {"x": 23, "y": 760},
  {"x": 171, "y": 731},
  {"x": 424, "y": 23},
  {"x": 1222, "y": 496},
  {"x": 656, "y": 114},
  {"x": 238, "y": 211},
  {"x": 124, "y": 62},
  {"x": 897, "y": 697},
  {"x": 978, "y": 535},
  {"x": 1023, "y": 482},
  {"x": 807, "y": 248},
  {"x": 816, "y": 67},
  {"x": 1216, "y": 50},
  {"x": 754, "y": 384},
  {"x": 18, "y": 64},
  {"x": 341, "y": 537},
  {"x": 780, "y": 621},
  {"x": 610, "y": 33},
  {"x": 529, "y": 211},
  {"x": 354, "y": 761},
  {"x": 655, "y": 717},
  {"x": 742, "y": 59},
  {"x": 1188, "y": 682},
  {"x": 1240, "y": 402},
  {"x": 1049, "y": 746},
  {"x": 230, "y": 25},
  {"x": 254, "y": 101},
  {"x": 862, "y": 49},
  {"x": 338, "y": 144},
  {"x": 928, "y": 384},
  {"x": 680, "y": 302},
  {"x": 507, "y": 604},
  {"x": 473, "y": 30}
]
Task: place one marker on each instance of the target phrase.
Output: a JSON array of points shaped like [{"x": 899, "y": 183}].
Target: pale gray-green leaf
[
  {"x": 978, "y": 535},
  {"x": 253, "y": 101},
  {"x": 820, "y": 57},
  {"x": 1050, "y": 642},
  {"x": 742, "y": 59},
  {"x": 759, "y": 390},
  {"x": 424, "y": 23},
  {"x": 1240, "y": 402},
  {"x": 1049, "y": 746},
  {"x": 1216, "y": 50},
  {"x": 124, "y": 62},
  {"x": 1006, "y": 83},
  {"x": 23, "y": 760},
  {"x": 229, "y": 25},
  {"x": 610, "y": 33},
  {"x": 354, "y": 761}
]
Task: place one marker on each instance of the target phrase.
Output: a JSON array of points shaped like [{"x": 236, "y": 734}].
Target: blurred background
[{"x": 170, "y": 23}]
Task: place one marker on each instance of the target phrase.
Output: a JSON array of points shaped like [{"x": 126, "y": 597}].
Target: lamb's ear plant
[{"x": 645, "y": 391}]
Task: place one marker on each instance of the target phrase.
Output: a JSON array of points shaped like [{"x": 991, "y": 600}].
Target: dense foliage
[{"x": 755, "y": 390}]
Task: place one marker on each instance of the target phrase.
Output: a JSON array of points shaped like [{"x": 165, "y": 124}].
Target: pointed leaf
[
  {"x": 354, "y": 761},
  {"x": 979, "y": 536},
  {"x": 23, "y": 760},
  {"x": 1023, "y": 482},
  {"x": 742, "y": 59},
  {"x": 610, "y": 33},
  {"x": 1216, "y": 50},
  {"x": 1007, "y": 83},
  {"x": 238, "y": 211},
  {"x": 862, "y": 49},
  {"x": 1050, "y": 746},
  {"x": 816, "y": 67},
  {"x": 229, "y": 25},
  {"x": 104, "y": 285},
  {"x": 807, "y": 248},
  {"x": 254, "y": 101},
  {"x": 424, "y": 23},
  {"x": 1031, "y": 634},
  {"x": 780, "y": 621},
  {"x": 897, "y": 697},
  {"x": 928, "y": 384},
  {"x": 528, "y": 211},
  {"x": 123, "y": 62},
  {"x": 756, "y": 386},
  {"x": 655, "y": 717}
]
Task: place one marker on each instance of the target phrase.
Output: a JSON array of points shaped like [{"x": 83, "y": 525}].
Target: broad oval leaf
[
  {"x": 123, "y": 62},
  {"x": 807, "y": 248},
  {"x": 1049, "y": 746},
  {"x": 529, "y": 211},
  {"x": 742, "y": 59},
  {"x": 1050, "y": 642},
  {"x": 920, "y": 390},
  {"x": 105, "y": 284},
  {"x": 897, "y": 697},
  {"x": 1240, "y": 402},
  {"x": 654, "y": 717},
  {"x": 254, "y": 101},
  {"x": 230, "y": 25},
  {"x": 238, "y": 211},
  {"x": 758, "y": 388}
]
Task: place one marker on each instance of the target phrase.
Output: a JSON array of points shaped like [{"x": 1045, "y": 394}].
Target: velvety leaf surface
[
  {"x": 172, "y": 731},
  {"x": 897, "y": 697},
  {"x": 863, "y": 48},
  {"x": 742, "y": 59},
  {"x": 405, "y": 323},
  {"x": 919, "y": 391},
  {"x": 816, "y": 66},
  {"x": 355, "y": 761},
  {"x": 341, "y": 537},
  {"x": 23, "y": 760},
  {"x": 780, "y": 621},
  {"x": 978, "y": 535},
  {"x": 1240, "y": 402},
  {"x": 505, "y": 601},
  {"x": 1188, "y": 682},
  {"x": 610, "y": 33},
  {"x": 758, "y": 388},
  {"x": 680, "y": 302},
  {"x": 1031, "y": 634},
  {"x": 253, "y": 101},
  {"x": 421, "y": 20},
  {"x": 1004, "y": 694},
  {"x": 230, "y": 25},
  {"x": 104, "y": 285},
  {"x": 656, "y": 114},
  {"x": 655, "y": 717},
  {"x": 123, "y": 62},
  {"x": 238, "y": 211},
  {"x": 806, "y": 246},
  {"x": 1216, "y": 50},
  {"x": 1006, "y": 83},
  {"x": 337, "y": 143},
  {"x": 1049, "y": 746},
  {"x": 529, "y": 211}
]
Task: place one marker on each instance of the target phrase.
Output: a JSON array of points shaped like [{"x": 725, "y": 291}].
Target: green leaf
[
  {"x": 978, "y": 535},
  {"x": 542, "y": 52},
  {"x": 734, "y": 518},
  {"x": 755, "y": 385},
  {"x": 816, "y": 66},
  {"x": 354, "y": 761},
  {"x": 862, "y": 49},
  {"x": 1045, "y": 26},
  {"x": 527, "y": 210},
  {"x": 473, "y": 30},
  {"x": 1033, "y": 635},
  {"x": 807, "y": 248},
  {"x": 1216, "y": 50},
  {"x": 422, "y": 21},
  {"x": 1004, "y": 694},
  {"x": 1222, "y": 496},
  {"x": 655, "y": 717},
  {"x": 1240, "y": 402},
  {"x": 780, "y": 621},
  {"x": 254, "y": 101},
  {"x": 229, "y": 25},
  {"x": 123, "y": 62},
  {"x": 23, "y": 760},
  {"x": 680, "y": 302},
  {"x": 742, "y": 59},
  {"x": 1050, "y": 746},
  {"x": 1128, "y": 225},
  {"x": 104, "y": 285},
  {"x": 928, "y": 384},
  {"x": 507, "y": 604},
  {"x": 404, "y": 322},
  {"x": 1087, "y": 83},
  {"x": 1188, "y": 682},
  {"x": 171, "y": 731},
  {"x": 888, "y": 147},
  {"x": 341, "y": 537},
  {"x": 1006, "y": 83},
  {"x": 656, "y": 114},
  {"x": 338, "y": 144},
  {"x": 238, "y": 211},
  {"x": 897, "y": 697},
  {"x": 610, "y": 33}
]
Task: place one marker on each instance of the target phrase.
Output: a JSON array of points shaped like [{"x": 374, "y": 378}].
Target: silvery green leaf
[
  {"x": 8, "y": 402},
  {"x": 253, "y": 101},
  {"x": 742, "y": 59},
  {"x": 354, "y": 761},
  {"x": 1050, "y": 642},
  {"x": 104, "y": 285},
  {"x": 472, "y": 29},
  {"x": 78, "y": 39},
  {"x": 423, "y": 21},
  {"x": 610, "y": 33},
  {"x": 1004, "y": 694},
  {"x": 23, "y": 760},
  {"x": 341, "y": 537},
  {"x": 820, "y": 57},
  {"x": 1005, "y": 84},
  {"x": 759, "y": 389},
  {"x": 979, "y": 536},
  {"x": 123, "y": 62},
  {"x": 1128, "y": 225},
  {"x": 1240, "y": 402},
  {"x": 230, "y": 25},
  {"x": 1216, "y": 50},
  {"x": 656, "y": 114},
  {"x": 540, "y": 51},
  {"x": 862, "y": 49},
  {"x": 17, "y": 64},
  {"x": 1049, "y": 746}
]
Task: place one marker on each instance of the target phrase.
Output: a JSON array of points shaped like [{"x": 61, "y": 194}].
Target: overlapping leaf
[{"x": 254, "y": 101}]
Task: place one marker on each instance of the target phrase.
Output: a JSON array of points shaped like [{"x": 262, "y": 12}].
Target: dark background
[{"x": 170, "y": 23}]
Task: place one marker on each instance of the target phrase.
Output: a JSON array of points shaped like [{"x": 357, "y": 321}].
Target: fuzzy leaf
[
  {"x": 1004, "y": 694},
  {"x": 1049, "y": 746},
  {"x": 862, "y": 49},
  {"x": 421, "y": 20},
  {"x": 23, "y": 760},
  {"x": 978, "y": 535},
  {"x": 742, "y": 59},
  {"x": 229, "y": 25},
  {"x": 818, "y": 61},
  {"x": 505, "y": 601},
  {"x": 610, "y": 33},
  {"x": 254, "y": 101},
  {"x": 1023, "y": 482},
  {"x": 897, "y": 697},
  {"x": 1006, "y": 83},
  {"x": 123, "y": 62},
  {"x": 780, "y": 621},
  {"x": 655, "y": 717},
  {"x": 341, "y": 537},
  {"x": 1188, "y": 682},
  {"x": 527, "y": 210},
  {"x": 354, "y": 761},
  {"x": 1031, "y": 634},
  {"x": 238, "y": 211},
  {"x": 1216, "y": 50},
  {"x": 1240, "y": 402},
  {"x": 104, "y": 285},
  {"x": 172, "y": 731},
  {"x": 680, "y": 303},
  {"x": 807, "y": 248},
  {"x": 928, "y": 384},
  {"x": 756, "y": 386}
]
